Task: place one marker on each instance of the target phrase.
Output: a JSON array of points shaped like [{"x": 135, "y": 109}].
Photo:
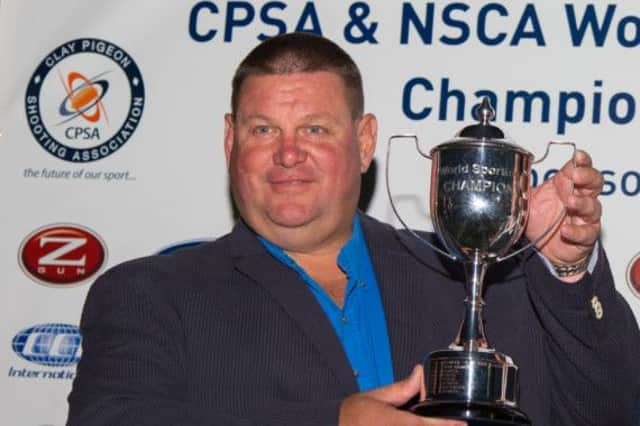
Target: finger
[
  {"x": 408, "y": 419},
  {"x": 580, "y": 235},
  {"x": 443, "y": 422},
  {"x": 400, "y": 392},
  {"x": 588, "y": 178},
  {"x": 583, "y": 159},
  {"x": 582, "y": 179},
  {"x": 587, "y": 209}
]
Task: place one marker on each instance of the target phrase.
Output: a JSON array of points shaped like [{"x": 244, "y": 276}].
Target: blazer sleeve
[
  {"x": 592, "y": 345},
  {"x": 132, "y": 370}
]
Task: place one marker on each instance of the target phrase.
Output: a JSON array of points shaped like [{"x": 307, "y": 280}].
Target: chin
[
  {"x": 291, "y": 221},
  {"x": 292, "y": 217}
]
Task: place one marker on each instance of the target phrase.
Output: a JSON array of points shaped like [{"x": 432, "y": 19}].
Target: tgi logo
[{"x": 53, "y": 345}]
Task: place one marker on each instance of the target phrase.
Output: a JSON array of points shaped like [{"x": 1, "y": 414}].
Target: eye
[
  {"x": 262, "y": 130},
  {"x": 316, "y": 130}
]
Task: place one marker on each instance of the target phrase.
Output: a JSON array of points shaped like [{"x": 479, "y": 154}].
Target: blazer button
[{"x": 597, "y": 307}]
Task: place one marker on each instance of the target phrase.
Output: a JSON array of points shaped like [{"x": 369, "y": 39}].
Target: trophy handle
[
  {"x": 562, "y": 212},
  {"x": 393, "y": 206}
]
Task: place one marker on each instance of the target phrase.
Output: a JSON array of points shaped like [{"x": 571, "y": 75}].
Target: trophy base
[
  {"x": 475, "y": 414},
  {"x": 477, "y": 386}
]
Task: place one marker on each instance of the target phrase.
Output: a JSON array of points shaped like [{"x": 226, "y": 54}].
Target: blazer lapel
[
  {"x": 290, "y": 291},
  {"x": 410, "y": 280}
]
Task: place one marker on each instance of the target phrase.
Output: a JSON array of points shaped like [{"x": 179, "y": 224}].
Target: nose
[{"x": 289, "y": 153}]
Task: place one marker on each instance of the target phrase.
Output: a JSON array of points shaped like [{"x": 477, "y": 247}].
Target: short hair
[{"x": 300, "y": 52}]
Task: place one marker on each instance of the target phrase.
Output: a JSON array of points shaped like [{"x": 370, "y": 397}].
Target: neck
[
  {"x": 322, "y": 265},
  {"x": 324, "y": 270},
  {"x": 318, "y": 241}
]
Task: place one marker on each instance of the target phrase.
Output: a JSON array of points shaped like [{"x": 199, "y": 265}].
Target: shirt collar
[{"x": 348, "y": 258}]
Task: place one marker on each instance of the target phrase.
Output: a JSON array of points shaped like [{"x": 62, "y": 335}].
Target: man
[{"x": 311, "y": 313}]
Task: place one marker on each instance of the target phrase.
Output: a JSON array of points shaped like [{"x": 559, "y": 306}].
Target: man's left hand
[{"x": 574, "y": 237}]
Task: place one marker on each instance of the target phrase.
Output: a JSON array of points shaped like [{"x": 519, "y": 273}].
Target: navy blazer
[{"x": 225, "y": 334}]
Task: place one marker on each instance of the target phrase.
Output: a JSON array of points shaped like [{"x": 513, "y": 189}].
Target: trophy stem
[{"x": 471, "y": 335}]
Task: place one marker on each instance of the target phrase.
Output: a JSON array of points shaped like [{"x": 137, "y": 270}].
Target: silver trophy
[{"x": 479, "y": 207}]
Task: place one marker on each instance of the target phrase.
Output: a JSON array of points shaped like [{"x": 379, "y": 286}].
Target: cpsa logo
[
  {"x": 85, "y": 100},
  {"x": 62, "y": 255},
  {"x": 633, "y": 275},
  {"x": 53, "y": 345}
]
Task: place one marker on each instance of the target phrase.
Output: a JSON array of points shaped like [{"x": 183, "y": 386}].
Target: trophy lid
[{"x": 482, "y": 134}]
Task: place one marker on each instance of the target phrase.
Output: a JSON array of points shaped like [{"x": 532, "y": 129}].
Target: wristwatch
[{"x": 571, "y": 269}]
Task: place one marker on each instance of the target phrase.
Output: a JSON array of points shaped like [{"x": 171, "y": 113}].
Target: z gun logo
[
  {"x": 55, "y": 258},
  {"x": 62, "y": 255}
]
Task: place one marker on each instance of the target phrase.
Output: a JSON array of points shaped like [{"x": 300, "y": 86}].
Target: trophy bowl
[{"x": 479, "y": 192}]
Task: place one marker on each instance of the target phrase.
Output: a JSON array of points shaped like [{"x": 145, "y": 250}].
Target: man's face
[{"x": 295, "y": 155}]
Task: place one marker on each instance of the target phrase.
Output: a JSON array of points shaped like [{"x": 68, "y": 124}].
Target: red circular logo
[
  {"x": 62, "y": 255},
  {"x": 633, "y": 274}
]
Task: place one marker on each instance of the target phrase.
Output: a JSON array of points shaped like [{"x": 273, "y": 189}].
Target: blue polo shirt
[{"x": 360, "y": 324}]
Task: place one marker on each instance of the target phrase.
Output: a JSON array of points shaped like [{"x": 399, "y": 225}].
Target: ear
[
  {"x": 367, "y": 139},
  {"x": 228, "y": 136}
]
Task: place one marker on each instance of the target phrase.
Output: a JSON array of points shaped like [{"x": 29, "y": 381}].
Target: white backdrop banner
[{"x": 111, "y": 133}]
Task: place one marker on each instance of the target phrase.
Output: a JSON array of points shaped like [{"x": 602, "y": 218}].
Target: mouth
[
  {"x": 289, "y": 180},
  {"x": 289, "y": 184}
]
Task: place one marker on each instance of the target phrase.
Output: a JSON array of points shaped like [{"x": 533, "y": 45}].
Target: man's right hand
[{"x": 379, "y": 406}]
